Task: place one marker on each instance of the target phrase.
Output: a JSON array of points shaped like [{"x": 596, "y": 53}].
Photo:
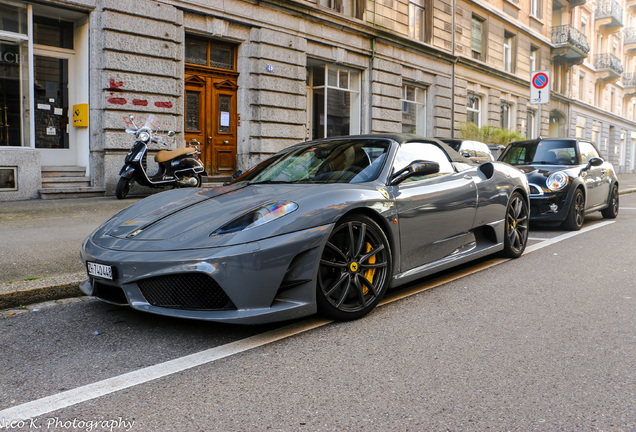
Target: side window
[
  {"x": 410, "y": 152},
  {"x": 588, "y": 151},
  {"x": 467, "y": 149},
  {"x": 482, "y": 150}
]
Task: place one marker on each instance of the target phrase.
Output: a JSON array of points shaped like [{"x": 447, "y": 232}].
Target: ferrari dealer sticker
[{"x": 100, "y": 270}]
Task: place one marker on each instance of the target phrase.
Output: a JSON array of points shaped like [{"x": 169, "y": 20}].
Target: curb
[{"x": 22, "y": 293}]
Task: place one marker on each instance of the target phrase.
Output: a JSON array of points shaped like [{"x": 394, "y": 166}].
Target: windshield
[
  {"x": 341, "y": 161},
  {"x": 543, "y": 152}
]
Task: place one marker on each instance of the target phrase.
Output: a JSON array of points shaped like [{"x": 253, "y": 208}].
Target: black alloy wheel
[
  {"x": 123, "y": 187},
  {"x": 355, "y": 269},
  {"x": 576, "y": 215},
  {"x": 612, "y": 207},
  {"x": 517, "y": 226}
]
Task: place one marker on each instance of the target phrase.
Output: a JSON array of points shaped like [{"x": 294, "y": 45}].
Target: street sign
[{"x": 540, "y": 87}]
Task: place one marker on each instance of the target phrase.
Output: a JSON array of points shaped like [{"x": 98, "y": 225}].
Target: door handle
[{"x": 226, "y": 142}]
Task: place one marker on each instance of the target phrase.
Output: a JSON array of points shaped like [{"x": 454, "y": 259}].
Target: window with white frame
[
  {"x": 14, "y": 76},
  {"x": 534, "y": 58},
  {"x": 508, "y": 52},
  {"x": 352, "y": 8},
  {"x": 535, "y": 8},
  {"x": 473, "y": 109},
  {"x": 504, "y": 120},
  {"x": 414, "y": 109},
  {"x": 334, "y": 91},
  {"x": 477, "y": 38},
  {"x": 417, "y": 20}
]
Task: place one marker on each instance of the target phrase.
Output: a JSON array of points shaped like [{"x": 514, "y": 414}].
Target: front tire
[
  {"x": 576, "y": 215},
  {"x": 517, "y": 225},
  {"x": 123, "y": 187},
  {"x": 355, "y": 269},
  {"x": 612, "y": 209}
]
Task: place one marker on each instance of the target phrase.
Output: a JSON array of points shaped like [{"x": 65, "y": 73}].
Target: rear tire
[
  {"x": 123, "y": 187},
  {"x": 612, "y": 209}
]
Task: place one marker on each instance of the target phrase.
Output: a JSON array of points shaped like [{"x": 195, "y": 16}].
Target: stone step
[
  {"x": 72, "y": 192},
  {"x": 63, "y": 171},
  {"x": 62, "y": 182}
]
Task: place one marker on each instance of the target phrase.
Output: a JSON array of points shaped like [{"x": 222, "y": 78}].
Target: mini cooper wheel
[
  {"x": 576, "y": 214},
  {"x": 123, "y": 187},
  {"x": 517, "y": 224},
  {"x": 612, "y": 208},
  {"x": 355, "y": 269}
]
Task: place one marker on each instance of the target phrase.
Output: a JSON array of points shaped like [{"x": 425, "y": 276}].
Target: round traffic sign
[{"x": 540, "y": 80}]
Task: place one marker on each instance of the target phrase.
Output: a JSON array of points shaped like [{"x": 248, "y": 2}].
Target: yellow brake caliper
[{"x": 371, "y": 272}]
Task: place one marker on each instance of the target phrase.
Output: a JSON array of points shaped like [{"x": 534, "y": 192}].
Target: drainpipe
[{"x": 452, "y": 111}]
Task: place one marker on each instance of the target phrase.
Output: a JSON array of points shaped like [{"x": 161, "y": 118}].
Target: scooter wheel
[{"x": 123, "y": 187}]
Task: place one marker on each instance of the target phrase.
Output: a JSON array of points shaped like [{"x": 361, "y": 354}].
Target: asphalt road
[{"x": 546, "y": 342}]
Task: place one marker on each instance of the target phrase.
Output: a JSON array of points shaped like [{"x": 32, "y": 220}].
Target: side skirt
[{"x": 444, "y": 264}]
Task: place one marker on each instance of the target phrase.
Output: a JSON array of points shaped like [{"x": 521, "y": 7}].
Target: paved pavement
[{"x": 40, "y": 242}]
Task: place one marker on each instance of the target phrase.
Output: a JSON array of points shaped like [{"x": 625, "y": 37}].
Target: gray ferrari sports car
[{"x": 324, "y": 226}]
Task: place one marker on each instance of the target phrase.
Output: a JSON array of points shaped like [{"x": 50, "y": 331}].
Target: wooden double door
[{"x": 211, "y": 119}]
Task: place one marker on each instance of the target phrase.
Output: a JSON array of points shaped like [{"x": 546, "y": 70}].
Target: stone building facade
[{"x": 242, "y": 79}]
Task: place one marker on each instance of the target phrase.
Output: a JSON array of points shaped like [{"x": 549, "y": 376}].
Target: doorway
[{"x": 211, "y": 119}]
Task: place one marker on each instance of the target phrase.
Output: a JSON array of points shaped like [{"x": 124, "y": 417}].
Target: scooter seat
[{"x": 166, "y": 155}]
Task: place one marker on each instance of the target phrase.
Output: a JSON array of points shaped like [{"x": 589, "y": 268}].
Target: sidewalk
[{"x": 40, "y": 242}]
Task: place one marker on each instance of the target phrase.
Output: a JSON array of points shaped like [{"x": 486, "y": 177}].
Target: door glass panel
[
  {"x": 13, "y": 90},
  {"x": 196, "y": 52},
  {"x": 225, "y": 105},
  {"x": 13, "y": 19},
  {"x": 192, "y": 111},
  {"x": 51, "y": 102},
  {"x": 221, "y": 55},
  {"x": 52, "y": 32}
]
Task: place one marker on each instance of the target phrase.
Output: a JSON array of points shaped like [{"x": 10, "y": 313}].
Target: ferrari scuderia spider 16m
[{"x": 324, "y": 226}]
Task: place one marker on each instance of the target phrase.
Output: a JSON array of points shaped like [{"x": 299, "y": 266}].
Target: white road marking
[
  {"x": 549, "y": 242},
  {"x": 39, "y": 407},
  {"x": 81, "y": 394}
]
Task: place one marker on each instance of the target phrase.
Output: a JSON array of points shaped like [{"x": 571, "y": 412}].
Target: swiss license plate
[{"x": 100, "y": 270}]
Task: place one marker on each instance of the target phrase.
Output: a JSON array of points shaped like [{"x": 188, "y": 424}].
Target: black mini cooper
[{"x": 568, "y": 179}]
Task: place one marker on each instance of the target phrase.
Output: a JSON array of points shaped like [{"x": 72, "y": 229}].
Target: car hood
[
  {"x": 188, "y": 218},
  {"x": 540, "y": 172}
]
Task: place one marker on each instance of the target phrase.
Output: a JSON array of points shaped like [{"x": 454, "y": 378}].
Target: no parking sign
[{"x": 540, "y": 87}]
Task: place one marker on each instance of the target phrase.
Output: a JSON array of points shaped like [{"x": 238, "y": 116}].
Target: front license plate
[{"x": 100, "y": 270}]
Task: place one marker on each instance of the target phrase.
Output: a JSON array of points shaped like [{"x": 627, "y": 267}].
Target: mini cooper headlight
[
  {"x": 259, "y": 216},
  {"x": 557, "y": 181}
]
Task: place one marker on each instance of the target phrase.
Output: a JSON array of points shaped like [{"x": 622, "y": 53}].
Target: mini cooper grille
[{"x": 185, "y": 291}]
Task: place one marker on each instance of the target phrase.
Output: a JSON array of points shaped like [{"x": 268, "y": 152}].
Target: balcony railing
[
  {"x": 629, "y": 79},
  {"x": 610, "y": 9},
  {"x": 566, "y": 34},
  {"x": 608, "y": 62}
]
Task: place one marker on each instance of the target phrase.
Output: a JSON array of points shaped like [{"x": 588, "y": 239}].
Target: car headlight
[
  {"x": 259, "y": 216},
  {"x": 557, "y": 181}
]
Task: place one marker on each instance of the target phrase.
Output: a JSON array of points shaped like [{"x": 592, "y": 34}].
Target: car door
[
  {"x": 596, "y": 178},
  {"x": 435, "y": 212}
]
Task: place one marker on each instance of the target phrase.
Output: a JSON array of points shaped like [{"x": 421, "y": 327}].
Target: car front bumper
[
  {"x": 547, "y": 208},
  {"x": 270, "y": 280}
]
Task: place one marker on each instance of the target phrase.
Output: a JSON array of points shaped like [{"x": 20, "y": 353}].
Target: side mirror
[
  {"x": 415, "y": 168},
  {"x": 237, "y": 174},
  {"x": 595, "y": 162}
]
